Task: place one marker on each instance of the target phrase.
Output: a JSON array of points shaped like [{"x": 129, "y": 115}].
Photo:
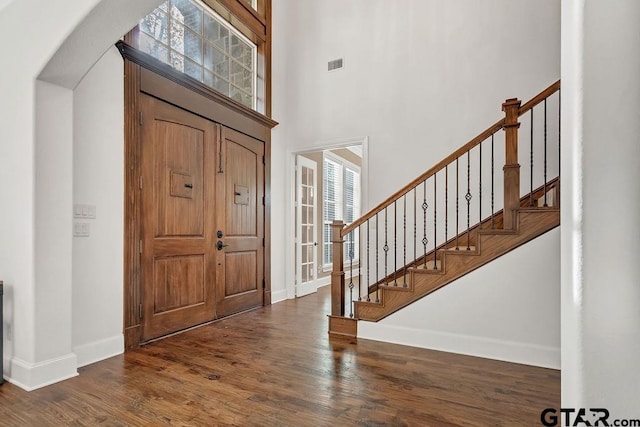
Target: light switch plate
[
  {"x": 81, "y": 229},
  {"x": 84, "y": 211}
]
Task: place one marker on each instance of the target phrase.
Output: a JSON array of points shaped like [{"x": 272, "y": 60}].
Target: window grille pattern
[{"x": 194, "y": 40}]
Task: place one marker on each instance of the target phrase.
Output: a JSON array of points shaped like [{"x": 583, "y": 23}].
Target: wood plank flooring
[{"x": 276, "y": 366}]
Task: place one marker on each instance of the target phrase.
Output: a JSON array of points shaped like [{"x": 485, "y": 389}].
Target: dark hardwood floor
[{"x": 277, "y": 367}]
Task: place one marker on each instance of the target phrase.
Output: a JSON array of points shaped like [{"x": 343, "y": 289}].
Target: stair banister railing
[{"x": 343, "y": 322}]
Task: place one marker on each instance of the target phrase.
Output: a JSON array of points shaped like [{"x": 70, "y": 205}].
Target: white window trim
[{"x": 343, "y": 163}]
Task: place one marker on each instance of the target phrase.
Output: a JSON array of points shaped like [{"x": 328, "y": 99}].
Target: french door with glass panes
[{"x": 306, "y": 232}]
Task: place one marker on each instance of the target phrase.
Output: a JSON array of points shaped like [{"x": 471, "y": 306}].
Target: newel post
[
  {"x": 337, "y": 274},
  {"x": 511, "y": 168}
]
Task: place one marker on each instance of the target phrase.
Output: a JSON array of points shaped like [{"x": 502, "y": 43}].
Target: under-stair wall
[{"x": 507, "y": 310}]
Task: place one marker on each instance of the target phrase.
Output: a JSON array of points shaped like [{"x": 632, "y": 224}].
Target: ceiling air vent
[{"x": 336, "y": 64}]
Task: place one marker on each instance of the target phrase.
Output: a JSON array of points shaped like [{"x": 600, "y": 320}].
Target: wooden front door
[
  {"x": 177, "y": 211},
  {"x": 202, "y": 246},
  {"x": 240, "y": 223}
]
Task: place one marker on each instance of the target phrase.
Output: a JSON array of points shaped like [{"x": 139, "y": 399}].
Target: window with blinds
[{"x": 341, "y": 200}]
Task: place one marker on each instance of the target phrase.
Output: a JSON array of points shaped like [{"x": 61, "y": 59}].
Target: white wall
[
  {"x": 600, "y": 205},
  {"x": 98, "y": 179},
  {"x": 420, "y": 77},
  {"x": 507, "y": 310}
]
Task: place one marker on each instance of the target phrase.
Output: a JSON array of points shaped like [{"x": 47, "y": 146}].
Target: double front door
[{"x": 202, "y": 220}]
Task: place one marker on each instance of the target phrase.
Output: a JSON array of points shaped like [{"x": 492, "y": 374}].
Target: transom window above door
[{"x": 195, "y": 40}]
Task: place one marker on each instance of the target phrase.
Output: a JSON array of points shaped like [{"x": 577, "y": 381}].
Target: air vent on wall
[{"x": 336, "y": 64}]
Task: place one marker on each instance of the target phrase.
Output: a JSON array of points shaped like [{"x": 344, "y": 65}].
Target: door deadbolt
[{"x": 219, "y": 234}]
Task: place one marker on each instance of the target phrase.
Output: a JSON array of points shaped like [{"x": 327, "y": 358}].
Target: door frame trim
[
  {"x": 290, "y": 275},
  {"x": 143, "y": 73}
]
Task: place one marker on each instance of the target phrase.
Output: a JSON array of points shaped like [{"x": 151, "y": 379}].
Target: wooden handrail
[
  {"x": 539, "y": 98},
  {"x": 435, "y": 169},
  {"x": 450, "y": 158}
]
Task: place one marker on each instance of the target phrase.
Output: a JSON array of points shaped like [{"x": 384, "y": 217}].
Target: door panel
[
  {"x": 179, "y": 282},
  {"x": 178, "y": 179},
  {"x": 306, "y": 245},
  {"x": 241, "y": 176},
  {"x": 177, "y": 211},
  {"x": 240, "y": 219},
  {"x": 241, "y": 274}
]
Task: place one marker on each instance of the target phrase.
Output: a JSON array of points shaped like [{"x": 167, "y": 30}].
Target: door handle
[
  {"x": 188, "y": 185},
  {"x": 220, "y": 245},
  {"x": 315, "y": 243}
]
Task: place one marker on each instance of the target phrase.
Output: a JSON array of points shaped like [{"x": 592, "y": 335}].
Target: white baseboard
[
  {"x": 278, "y": 296},
  {"x": 306, "y": 288},
  {"x": 324, "y": 281},
  {"x": 31, "y": 376},
  {"x": 509, "y": 351},
  {"x": 99, "y": 350}
]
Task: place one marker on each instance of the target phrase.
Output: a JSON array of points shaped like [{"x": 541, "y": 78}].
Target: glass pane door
[{"x": 306, "y": 233}]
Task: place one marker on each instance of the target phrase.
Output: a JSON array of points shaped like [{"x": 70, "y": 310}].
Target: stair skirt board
[
  {"x": 508, "y": 351},
  {"x": 492, "y": 244}
]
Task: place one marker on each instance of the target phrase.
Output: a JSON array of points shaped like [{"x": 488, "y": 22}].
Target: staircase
[{"x": 456, "y": 217}]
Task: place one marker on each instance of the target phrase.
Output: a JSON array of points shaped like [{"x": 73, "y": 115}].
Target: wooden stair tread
[
  {"x": 461, "y": 248},
  {"x": 429, "y": 266}
]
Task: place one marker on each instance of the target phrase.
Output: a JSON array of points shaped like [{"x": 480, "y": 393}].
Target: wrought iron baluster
[
  {"x": 531, "y": 163},
  {"x": 404, "y": 241},
  {"x": 368, "y": 263},
  {"x": 457, "y": 204},
  {"x": 350, "y": 239},
  {"x": 385, "y": 248},
  {"x": 415, "y": 224},
  {"x": 468, "y": 197},
  {"x": 424, "y": 211},
  {"x": 545, "y": 154},
  {"x": 492, "y": 182},
  {"x": 435, "y": 220},
  {"x": 480, "y": 190},
  {"x": 377, "y": 262},
  {"x": 446, "y": 203},
  {"x": 395, "y": 243},
  {"x": 360, "y": 265}
]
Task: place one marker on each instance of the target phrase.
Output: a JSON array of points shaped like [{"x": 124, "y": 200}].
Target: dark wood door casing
[{"x": 148, "y": 77}]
